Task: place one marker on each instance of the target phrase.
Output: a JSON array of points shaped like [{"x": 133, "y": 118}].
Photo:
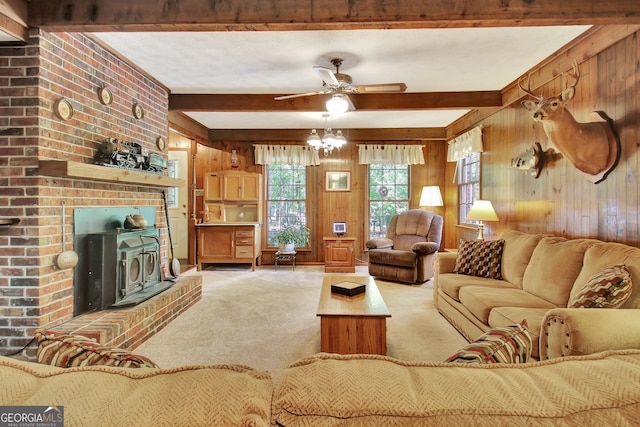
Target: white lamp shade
[
  {"x": 337, "y": 104},
  {"x": 431, "y": 196},
  {"x": 482, "y": 210}
]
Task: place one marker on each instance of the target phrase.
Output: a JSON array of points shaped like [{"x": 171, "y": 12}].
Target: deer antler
[
  {"x": 575, "y": 75},
  {"x": 528, "y": 90}
]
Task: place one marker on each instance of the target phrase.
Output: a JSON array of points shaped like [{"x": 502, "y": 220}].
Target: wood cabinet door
[
  {"x": 251, "y": 188},
  {"x": 215, "y": 243},
  {"x": 213, "y": 186},
  {"x": 339, "y": 254},
  {"x": 232, "y": 187}
]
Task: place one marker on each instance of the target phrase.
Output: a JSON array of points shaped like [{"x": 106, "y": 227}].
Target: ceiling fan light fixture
[{"x": 337, "y": 104}]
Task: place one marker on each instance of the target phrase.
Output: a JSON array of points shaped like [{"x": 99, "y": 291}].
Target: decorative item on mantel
[
  {"x": 482, "y": 210},
  {"x": 129, "y": 155}
]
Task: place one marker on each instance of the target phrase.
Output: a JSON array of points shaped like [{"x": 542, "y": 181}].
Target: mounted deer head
[{"x": 588, "y": 146}]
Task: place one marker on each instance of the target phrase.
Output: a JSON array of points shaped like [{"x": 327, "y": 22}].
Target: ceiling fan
[{"x": 340, "y": 84}]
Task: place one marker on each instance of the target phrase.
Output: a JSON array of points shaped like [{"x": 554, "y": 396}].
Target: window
[
  {"x": 468, "y": 183},
  {"x": 388, "y": 195},
  {"x": 286, "y": 199}
]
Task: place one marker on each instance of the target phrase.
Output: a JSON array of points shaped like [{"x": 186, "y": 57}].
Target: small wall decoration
[
  {"x": 63, "y": 109},
  {"x": 337, "y": 181},
  {"x": 105, "y": 96},
  {"x": 535, "y": 159},
  {"x": 161, "y": 143},
  {"x": 592, "y": 147},
  {"x": 138, "y": 112}
]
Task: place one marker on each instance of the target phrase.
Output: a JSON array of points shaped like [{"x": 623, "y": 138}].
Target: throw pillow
[
  {"x": 509, "y": 344},
  {"x": 482, "y": 258},
  {"x": 65, "y": 351},
  {"x": 609, "y": 288}
]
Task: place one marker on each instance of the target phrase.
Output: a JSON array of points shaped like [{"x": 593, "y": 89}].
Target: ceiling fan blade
[
  {"x": 297, "y": 95},
  {"x": 382, "y": 87},
  {"x": 351, "y": 106},
  {"x": 327, "y": 75}
]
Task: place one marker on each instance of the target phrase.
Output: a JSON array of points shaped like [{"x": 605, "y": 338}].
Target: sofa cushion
[
  {"x": 518, "y": 248},
  {"x": 393, "y": 257},
  {"x": 451, "y": 283},
  {"x": 505, "y": 316},
  {"x": 217, "y": 395},
  {"x": 480, "y": 300},
  {"x": 65, "y": 351},
  {"x": 609, "y": 288},
  {"x": 507, "y": 344},
  {"x": 602, "y": 255},
  {"x": 554, "y": 267},
  {"x": 372, "y": 390},
  {"x": 480, "y": 258}
]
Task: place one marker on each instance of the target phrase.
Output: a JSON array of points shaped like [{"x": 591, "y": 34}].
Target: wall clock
[
  {"x": 161, "y": 143},
  {"x": 138, "y": 112},
  {"x": 105, "y": 96},
  {"x": 63, "y": 109}
]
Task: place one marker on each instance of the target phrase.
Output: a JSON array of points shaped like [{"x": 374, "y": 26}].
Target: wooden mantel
[{"x": 68, "y": 169}]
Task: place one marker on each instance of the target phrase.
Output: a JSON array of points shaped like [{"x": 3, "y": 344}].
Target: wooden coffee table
[{"x": 356, "y": 324}]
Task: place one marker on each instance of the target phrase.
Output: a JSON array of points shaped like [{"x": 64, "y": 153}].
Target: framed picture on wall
[{"x": 337, "y": 181}]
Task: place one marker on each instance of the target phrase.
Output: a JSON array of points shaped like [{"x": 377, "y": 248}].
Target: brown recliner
[{"x": 406, "y": 254}]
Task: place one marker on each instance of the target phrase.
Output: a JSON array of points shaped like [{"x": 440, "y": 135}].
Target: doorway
[{"x": 178, "y": 197}]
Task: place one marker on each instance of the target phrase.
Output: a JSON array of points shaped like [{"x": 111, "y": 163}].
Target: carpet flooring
[{"x": 267, "y": 319}]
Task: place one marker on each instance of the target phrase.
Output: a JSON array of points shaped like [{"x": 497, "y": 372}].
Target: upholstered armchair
[{"x": 406, "y": 254}]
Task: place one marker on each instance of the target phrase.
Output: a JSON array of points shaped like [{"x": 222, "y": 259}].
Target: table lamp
[
  {"x": 431, "y": 196},
  {"x": 482, "y": 210}
]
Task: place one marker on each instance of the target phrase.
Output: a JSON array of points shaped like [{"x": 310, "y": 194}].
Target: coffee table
[{"x": 352, "y": 324}]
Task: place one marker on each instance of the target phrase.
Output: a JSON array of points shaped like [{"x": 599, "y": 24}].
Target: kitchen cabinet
[
  {"x": 241, "y": 186},
  {"x": 213, "y": 187},
  {"x": 232, "y": 196},
  {"x": 230, "y": 243},
  {"x": 339, "y": 254}
]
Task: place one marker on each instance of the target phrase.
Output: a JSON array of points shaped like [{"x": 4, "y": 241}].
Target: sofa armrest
[
  {"x": 425, "y": 248},
  {"x": 383, "y": 243},
  {"x": 579, "y": 331},
  {"x": 444, "y": 262}
]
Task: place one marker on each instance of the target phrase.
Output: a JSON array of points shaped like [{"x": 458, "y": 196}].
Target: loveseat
[
  {"x": 334, "y": 390},
  {"x": 538, "y": 279},
  {"x": 406, "y": 253}
]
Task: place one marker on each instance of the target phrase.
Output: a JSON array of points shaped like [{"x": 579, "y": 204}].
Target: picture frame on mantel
[{"x": 337, "y": 181}]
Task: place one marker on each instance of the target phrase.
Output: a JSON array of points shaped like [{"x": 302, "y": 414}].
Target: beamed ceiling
[{"x": 224, "y": 62}]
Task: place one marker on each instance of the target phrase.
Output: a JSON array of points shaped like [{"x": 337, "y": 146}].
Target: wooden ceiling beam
[
  {"x": 259, "y": 15},
  {"x": 362, "y": 102},
  {"x": 300, "y": 135}
]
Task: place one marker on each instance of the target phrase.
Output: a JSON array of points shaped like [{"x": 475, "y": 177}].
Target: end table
[{"x": 286, "y": 256}]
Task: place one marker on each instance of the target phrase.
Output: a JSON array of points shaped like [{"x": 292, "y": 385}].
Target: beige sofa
[
  {"x": 335, "y": 390},
  {"x": 540, "y": 275}
]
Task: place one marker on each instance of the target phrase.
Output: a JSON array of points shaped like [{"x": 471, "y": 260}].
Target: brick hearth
[{"x": 129, "y": 327}]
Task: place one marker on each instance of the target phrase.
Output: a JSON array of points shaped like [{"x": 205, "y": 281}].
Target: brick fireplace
[{"x": 34, "y": 293}]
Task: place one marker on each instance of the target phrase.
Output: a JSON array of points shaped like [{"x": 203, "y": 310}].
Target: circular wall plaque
[
  {"x": 138, "y": 112},
  {"x": 63, "y": 109},
  {"x": 161, "y": 143},
  {"x": 105, "y": 96}
]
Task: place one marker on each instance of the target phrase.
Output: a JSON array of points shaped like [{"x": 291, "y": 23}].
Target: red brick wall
[{"x": 33, "y": 292}]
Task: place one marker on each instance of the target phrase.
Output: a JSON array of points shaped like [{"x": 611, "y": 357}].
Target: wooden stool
[{"x": 286, "y": 256}]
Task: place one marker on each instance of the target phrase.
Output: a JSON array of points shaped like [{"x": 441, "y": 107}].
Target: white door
[{"x": 178, "y": 201}]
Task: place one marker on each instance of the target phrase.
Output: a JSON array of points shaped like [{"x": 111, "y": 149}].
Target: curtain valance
[
  {"x": 461, "y": 146},
  {"x": 286, "y": 154},
  {"x": 390, "y": 154}
]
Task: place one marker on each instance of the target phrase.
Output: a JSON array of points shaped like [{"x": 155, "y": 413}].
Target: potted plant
[{"x": 291, "y": 237}]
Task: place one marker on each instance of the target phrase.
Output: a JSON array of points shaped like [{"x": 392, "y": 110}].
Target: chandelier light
[
  {"x": 337, "y": 104},
  {"x": 328, "y": 142}
]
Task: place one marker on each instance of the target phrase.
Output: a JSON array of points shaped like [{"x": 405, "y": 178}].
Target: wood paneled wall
[
  {"x": 326, "y": 207},
  {"x": 562, "y": 201}
]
